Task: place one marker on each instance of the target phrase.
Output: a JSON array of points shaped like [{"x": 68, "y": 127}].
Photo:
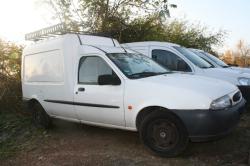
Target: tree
[
  {"x": 192, "y": 35},
  {"x": 228, "y": 57},
  {"x": 107, "y": 15},
  {"x": 134, "y": 20},
  {"x": 177, "y": 31},
  {"x": 10, "y": 75},
  {"x": 244, "y": 51},
  {"x": 142, "y": 29},
  {"x": 10, "y": 59}
]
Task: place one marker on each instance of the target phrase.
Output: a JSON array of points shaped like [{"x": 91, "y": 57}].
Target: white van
[
  {"x": 92, "y": 80},
  {"x": 178, "y": 58}
]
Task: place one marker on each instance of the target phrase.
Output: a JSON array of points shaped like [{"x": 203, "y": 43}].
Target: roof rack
[{"x": 52, "y": 31}]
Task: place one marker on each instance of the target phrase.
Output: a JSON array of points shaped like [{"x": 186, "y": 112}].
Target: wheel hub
[{"x": 163, "y": 134}]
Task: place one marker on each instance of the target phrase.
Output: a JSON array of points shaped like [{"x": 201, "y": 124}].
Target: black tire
[
  {"x": 164, "y": 133},
  {"x": 40, "y": 118}
]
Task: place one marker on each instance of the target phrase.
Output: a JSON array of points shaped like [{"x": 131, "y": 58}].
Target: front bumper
[
  {"x": 205, "y": 125},
  {"x": 245, "y": 90}
]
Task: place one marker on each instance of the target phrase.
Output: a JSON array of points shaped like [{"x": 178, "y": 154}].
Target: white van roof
[
  {"x": 60, "y": 30},
  {"x": 148, "y": 43},
  {"x": 92, "y": 43},
  {"x": 85, "y": 40},
  {"x": 98, "y": 40}
]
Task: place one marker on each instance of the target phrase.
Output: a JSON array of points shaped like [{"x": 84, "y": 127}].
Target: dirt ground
[{"x": 74, "y": 144}]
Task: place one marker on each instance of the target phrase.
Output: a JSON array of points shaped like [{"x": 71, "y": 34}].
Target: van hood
[
  {"x": 226, "y": 70},
  {"x": 241, "y": 69},
  {"x": 176, "y": 91},
  {"x": 226, "y": 74},
  {"x": 212, "y": 88}
]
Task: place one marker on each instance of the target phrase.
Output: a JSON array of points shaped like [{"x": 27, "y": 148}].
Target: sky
[
  {"x": 18, "y": 17},
  {"x": 233, "y": 16}
]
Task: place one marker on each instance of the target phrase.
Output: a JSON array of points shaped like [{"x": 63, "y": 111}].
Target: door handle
[{"x": 81, "y": 89}]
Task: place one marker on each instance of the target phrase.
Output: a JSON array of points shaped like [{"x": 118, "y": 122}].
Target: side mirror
[
  {"x": 108, "y": 80},
  {"x": 182, "y": 66}
]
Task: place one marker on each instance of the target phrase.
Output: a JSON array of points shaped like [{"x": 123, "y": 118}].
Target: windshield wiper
[
  {"x": 147, "y": 74},
  {"x": 204, "y": 67},
  {"x": 225, "y": 66},
  {"x": 167, "y": 72},
  {"x": 143, "y": 74}
]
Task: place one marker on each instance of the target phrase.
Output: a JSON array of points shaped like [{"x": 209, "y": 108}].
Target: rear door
[{"x": 96, "y": 103}]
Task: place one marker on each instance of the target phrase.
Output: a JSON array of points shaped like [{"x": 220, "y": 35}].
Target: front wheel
[{"x": 164, "y": 134}]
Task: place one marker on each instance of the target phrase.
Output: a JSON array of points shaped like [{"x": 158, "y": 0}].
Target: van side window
[
  {"x": 170, "y": 60},
  {"x": 90, "y": 68}
]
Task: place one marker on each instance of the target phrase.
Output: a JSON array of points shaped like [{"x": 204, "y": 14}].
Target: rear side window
[
  {"x": 170, "y": 60},
  {"x": 45, "y": 66},
  {"x": 90, "y": 68}
]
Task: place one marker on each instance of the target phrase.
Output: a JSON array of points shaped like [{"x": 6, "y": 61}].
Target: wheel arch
[
  {"x": 32, "y": 101},
  {"x": 144, "y": 112}
]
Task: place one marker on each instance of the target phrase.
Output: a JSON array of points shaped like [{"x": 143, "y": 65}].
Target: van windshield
[
  {"x": 136, "y": 66},
  {"x": 195, "y": 59},
  {"x": 215, "y": 59},
  {"x": 204, "y": 57}
]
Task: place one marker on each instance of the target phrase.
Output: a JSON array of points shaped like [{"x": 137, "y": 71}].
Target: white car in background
[
  {"x": 178, "y": 58},
  {"x": 216, "y": 62}
]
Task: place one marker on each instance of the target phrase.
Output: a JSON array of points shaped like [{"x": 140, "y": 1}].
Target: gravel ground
[{"x": 74, "y": 144}]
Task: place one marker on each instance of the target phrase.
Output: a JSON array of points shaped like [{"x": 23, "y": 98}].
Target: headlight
[
  {"x": 244, "y": 81},
  {"x": 221, "y": 103}
]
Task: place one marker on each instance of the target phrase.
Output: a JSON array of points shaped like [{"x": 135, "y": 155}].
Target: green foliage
[
  {"x": 10, "y": 76},
  {"x": 10, "y": 59},
  {"x": 107, "y": 15},
  {"x": 141, "y": 29},
  {"x": 192, "y": 35},
  {"x": 134, "y": 20},
  {"x": 180, "y": 32}
]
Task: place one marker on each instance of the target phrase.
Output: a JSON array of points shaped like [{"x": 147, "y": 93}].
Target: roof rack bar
[
  {"x": 57, "y": 29},
  {"x": 61, "y": 29}
]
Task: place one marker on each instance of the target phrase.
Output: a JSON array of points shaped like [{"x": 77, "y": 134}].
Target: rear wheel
[
  {"x": 164, "y": 134},
  {"x": 40, "y": 118}
]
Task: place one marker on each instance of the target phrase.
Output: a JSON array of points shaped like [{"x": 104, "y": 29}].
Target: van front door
[{"x": 96, "y": 103}]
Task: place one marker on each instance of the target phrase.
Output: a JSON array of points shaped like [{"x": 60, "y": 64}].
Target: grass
[
  {"x": 16, "y": 133},
  {"x": 18, "y": 136}
]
